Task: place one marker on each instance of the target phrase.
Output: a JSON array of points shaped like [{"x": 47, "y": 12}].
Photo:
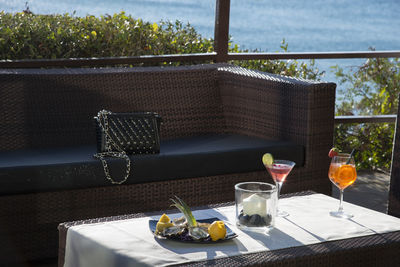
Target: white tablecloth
[{"x": 130, "y": 242}]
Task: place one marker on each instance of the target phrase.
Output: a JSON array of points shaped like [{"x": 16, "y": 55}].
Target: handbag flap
[{"x": 134, "y": 133}]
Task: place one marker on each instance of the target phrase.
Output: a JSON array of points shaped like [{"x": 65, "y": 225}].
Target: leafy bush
[
  {"x": 29, "y": 36},
  {"x": 371, "y": 89}
]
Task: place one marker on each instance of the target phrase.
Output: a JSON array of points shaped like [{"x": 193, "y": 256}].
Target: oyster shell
[
  {"x": 198, "y": 233},
  {"x": 180, "y": 221},
  {"x": 173, "y": 231}
]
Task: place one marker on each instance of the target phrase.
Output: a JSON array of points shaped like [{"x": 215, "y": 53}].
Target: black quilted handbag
[{"x": 122, "y": 134}]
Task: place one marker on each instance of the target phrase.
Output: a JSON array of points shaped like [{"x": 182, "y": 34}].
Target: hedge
[{"x": 30, "y": 36}]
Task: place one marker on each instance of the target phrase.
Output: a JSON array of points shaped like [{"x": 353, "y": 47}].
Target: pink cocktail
[{"x": 279, "y": 170}]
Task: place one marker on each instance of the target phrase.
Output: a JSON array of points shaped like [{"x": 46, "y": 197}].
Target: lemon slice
[{"x": 267, "y": 159}]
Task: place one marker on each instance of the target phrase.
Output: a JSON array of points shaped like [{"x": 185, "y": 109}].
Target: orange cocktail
[{"x": 342, "y": 175}]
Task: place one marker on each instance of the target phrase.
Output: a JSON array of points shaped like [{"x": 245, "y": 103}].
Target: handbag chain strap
[{"x": 102, "y": 119}]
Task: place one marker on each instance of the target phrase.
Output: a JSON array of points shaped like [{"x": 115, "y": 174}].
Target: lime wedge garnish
[{"x": 267, "y": 159}]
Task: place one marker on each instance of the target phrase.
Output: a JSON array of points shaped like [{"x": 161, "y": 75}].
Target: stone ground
[{"x": 370, "y": 190}]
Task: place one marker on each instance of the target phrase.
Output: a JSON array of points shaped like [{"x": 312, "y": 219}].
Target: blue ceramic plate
[{"x": 185, "y": 238}]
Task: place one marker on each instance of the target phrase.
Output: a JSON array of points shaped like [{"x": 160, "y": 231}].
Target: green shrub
[
  {"x": 29, "y": 36},
  {"x": 370, "y": 89}
]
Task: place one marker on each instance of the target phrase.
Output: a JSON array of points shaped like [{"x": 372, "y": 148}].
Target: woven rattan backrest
[
  {"x": 47, "y": 108},
  {"x": 394, "y": 191},
  {"x": 244, "y": 89}
]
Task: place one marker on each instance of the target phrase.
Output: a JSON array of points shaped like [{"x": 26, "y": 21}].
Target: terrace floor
[{"x": 370, "y": 190}]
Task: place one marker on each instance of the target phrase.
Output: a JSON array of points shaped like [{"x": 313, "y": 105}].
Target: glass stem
[
  {"x": 341, "y": 201},
  {"x": 279, "y": 185}
]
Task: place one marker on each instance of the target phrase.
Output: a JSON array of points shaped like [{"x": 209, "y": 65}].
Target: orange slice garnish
[{"x": 346, "y": 174}]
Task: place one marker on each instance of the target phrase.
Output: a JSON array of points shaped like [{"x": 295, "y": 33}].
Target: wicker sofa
[{"x": 218, "y": 120}]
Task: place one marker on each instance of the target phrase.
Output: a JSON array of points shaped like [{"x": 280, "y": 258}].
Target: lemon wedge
[
  {"x": 217, "y": 230},
  {"x": 163, "y": 222},
  {"x": 164, "y": 218}
]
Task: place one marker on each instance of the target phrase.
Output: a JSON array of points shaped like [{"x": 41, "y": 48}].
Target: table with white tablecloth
[{"x": 131, "y": 243}]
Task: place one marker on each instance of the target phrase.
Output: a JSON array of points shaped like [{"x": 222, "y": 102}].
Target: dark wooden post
[{"x": 221, "y": 31}]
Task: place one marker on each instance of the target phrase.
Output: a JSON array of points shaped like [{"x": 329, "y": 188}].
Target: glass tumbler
[{"x": 255, "y": 205}]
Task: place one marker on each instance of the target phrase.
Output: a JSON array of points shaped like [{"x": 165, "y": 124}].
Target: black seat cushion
[{"x": 74, "y": 167}]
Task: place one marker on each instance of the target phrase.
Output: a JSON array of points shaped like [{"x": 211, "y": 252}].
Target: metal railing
[
  {"x": 105, "y": 61},
  {"x": 366, "y": 119},
  {"x": 220, "y": 54}
]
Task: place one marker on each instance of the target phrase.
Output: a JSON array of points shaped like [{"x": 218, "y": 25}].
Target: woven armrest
[{"x": 276, "y": 107}]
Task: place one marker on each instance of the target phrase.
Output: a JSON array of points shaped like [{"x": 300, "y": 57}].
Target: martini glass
[{"x": 279, "y": 170}]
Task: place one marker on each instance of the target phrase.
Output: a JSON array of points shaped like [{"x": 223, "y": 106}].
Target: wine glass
[
  {"x": 279, "y": 170},
  {"x": 342, "y": 173}
]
